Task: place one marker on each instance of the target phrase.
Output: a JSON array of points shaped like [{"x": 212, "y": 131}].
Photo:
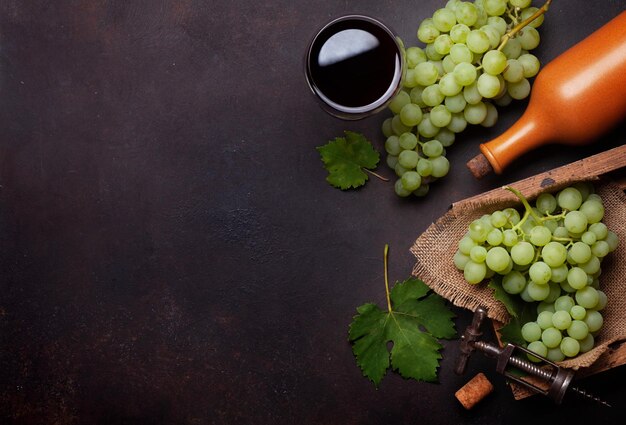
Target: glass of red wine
[{"x": 354, "y": 66}]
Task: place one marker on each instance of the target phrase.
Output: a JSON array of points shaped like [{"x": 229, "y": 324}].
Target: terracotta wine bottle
[{"x": 574, "y": 99}]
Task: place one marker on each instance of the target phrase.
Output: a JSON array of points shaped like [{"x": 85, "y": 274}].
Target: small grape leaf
[
  {"x": 512, "y": 331},
  {"x": 346, "y": 157},
  {"x": 415, "y": 352}
]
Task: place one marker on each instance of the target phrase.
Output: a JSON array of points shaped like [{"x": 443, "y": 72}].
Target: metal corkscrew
[{"x": 556, "y": 378}]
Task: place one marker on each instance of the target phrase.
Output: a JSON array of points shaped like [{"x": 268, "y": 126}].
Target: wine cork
[{"x": 474, "y": 391}]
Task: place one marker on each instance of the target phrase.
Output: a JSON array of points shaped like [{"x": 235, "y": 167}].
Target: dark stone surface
[{"x": 169, "y": 250}]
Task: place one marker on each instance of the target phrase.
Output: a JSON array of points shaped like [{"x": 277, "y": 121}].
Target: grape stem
[
  {"x": 506, "y": 37},
  {"x": 527, "y": 206},
  {"x": 385, "y": 179},
  {"x": 385, "y": 255}
]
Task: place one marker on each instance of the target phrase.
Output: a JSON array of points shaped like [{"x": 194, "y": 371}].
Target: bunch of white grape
[
  {"x": 475, "y": 54},
  {"x": 550, "y": 256}
]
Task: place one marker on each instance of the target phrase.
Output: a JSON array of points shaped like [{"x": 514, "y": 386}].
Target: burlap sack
[{"x": 435, "y": 248}]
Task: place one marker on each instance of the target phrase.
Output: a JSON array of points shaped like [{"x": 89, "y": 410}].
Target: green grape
[
  {"x": 422, "y": 190},
  {"x": 446, "y": 137},
  {"x": 441, "y": 166},
  {"x": 612, "y": 240},
  {"x": 386, "y": 128},
  {"x": 589, "y": 238},
  {"x": 392, "y": 145},
  {"x": 440, "y": 117},
  {"x": 512, "y": 49},
  {"x": 540, "y": 235},
  {"x": 504, "y": 100},
  {"x": 559, "y": 273},
  {"x": 560, "y": 232},
  {"x": 424, "y": 167},
  {"x": 580, "y": 252},
  {"x": 569, "y": 199},
  {"x": 494, "y": 36},
  {"x": 551, "y": 337},
  {"x": 427, "y": 32},
  {"x": 426, "y": 73},
  {"x": 509, "y": 237},
  {"x": 411, "y": 180},
  {"x": 561, "y": 319},
  {"x": 467, "y": 242},
  {"x": 578, "y": 329},
  {"x": 546, "y": 203},
  {"x": 459, "y": 32},
  {"x": 442, "y": 44},
  {"x": 577, "y": 278},
  {"x": 400, "y": 190},
  {"x": 478, "y": 41},
  {"x": 565, "y": 287},
  {"x": 426, "y": 128},
  {"x": 498, "y": 23},
  {"x": 457, "y": 123},
  {"x": 494, "y": 7},
  {"x": 466, "y": 13},
  {"x": 476, "y": 113},
  {"x": 453, "y": 4},
  {"x": 578, "y": 312},
  {"x": 519, "y": 90},
  {"x": 397, "y": 126},
  {"x": 494, "y": 62},
  {"x": 432, "y": 148},
  {"x": 554, "y": 254},
  {"x": 575, "y": 222},
  {"x": 449, "y": 85},
  {"x": 409, "y": 79},
  {"x": 398, "y": 101},
  {"x": 587, "y": 343},
  {"x": 455, "y": 103},
  {"x": 513, "y": 282},
  {"x": 448, "y": 64},
  {"x": 478, "y": 254},
  {"x": 522, "y": 4},
  {"x": 488, "y": 85},
  {"x": 555, "y": 292},
  {"x": 498, "y": 219},
  {"x": 522, "y": 253},
  {"x": 594, "y": 320},
  {"x": 464, "y": 73},
  {"x": 407, "y": 141},
  {"x": 391, "y": 160},
  {"x": 478, "y": 231},
  {"x": 460, "y": 53},
  {"x": 498, "y": 259},
  {"x": 569, "y": 346},
  {"x": 585, "y": 189},
  {"x": 540, "y": 273},
  {"x": 531, "y": 332},
  {"x": 602, "y": 300},
  {"x": 592, "y": 266},
  {"x": 530, "y": 64},
  {"x": 474, "y": 272},
  {"x": 432, "y": 54},
  {"x": 593, "y": 210},
  {"x": 416, "y": 96},
  {"x": 544, "y": 319},
  {"x": 471, "y": 94},
  {"x": 555, "y": 354},
  {"x": 530, "y": 11},
  {"x": 460, "y": 260},
  {"x": 529, "y": 38},
  {"x": 492, "y": 116},
  {"x": 539, "y": 348},
  {"x": 538, "y": 292},
  {"x": 415, "y": 55},
  {"x": 545, "y": 306},
  {"x": 494, "y": 238},
  {"x": 408, "y": 159},
  {"x": 432, "y": 95},
  {"x": 410, "y": 114},
  {"x": 587, "y": 297},
  {"x": 599, "y": 229},
  {"x": 564, "y": 303},
  {"x": 444, "y": 19}
]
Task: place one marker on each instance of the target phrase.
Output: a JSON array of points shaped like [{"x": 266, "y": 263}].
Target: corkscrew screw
[{"x": 556, "y": 379}]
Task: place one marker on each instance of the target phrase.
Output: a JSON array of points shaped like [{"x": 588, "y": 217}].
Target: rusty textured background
[{"x": 169, "y": 250}]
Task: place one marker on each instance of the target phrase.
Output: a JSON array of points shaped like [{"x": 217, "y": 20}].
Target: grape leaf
[
  {"x": 345, "y": 158},
  {"x": 415, "y": 352},
  {"x": 514, "y": 305},
  {"x": 521, "y": 312}
]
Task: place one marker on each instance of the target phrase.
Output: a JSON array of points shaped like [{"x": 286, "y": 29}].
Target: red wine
[{"x": 354, "y": 66}]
